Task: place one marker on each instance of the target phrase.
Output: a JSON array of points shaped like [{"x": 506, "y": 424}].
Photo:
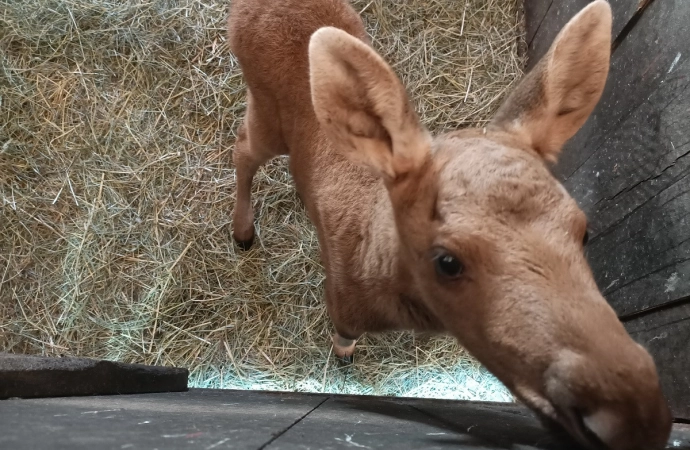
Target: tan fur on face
[
  {"x": 527, "y": 305},
  {"x": 386, "y": 200}
]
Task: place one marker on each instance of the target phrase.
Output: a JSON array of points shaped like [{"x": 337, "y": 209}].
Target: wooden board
[
  {"x": 545, "y": 19},
  {"x": 214, "y": 419},
  {"x": 666, "y": 334},
  {"x": 39, "y": 376},
  {"x": 349, "y": 422},
  {"x": 196, "y": 419},
  {"x": 631, "y": 173},
  {"x": 535, "y": 12},
  {"x": 484, "y": 421}
]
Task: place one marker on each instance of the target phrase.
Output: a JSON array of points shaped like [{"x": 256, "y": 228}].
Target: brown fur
[{"x": 385, "y": 197}]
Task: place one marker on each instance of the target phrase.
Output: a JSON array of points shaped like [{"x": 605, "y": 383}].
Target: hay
[{"x": 117, "y": 120}]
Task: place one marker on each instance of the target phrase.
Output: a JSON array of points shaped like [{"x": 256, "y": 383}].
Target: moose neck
[
  {"x": 360, "y": 245},
  {"x": 384, "y": 260}
]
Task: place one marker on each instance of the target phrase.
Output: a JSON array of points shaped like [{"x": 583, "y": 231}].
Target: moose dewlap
[{"x": 465, "y": 233}]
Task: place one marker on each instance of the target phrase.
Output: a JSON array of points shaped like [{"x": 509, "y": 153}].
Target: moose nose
[
  {"x": 585, "y": 429},
  {"x": 608, "y": 406},
  {"x": 599, "y": 430},
  {"x": 606, "y": 429}
]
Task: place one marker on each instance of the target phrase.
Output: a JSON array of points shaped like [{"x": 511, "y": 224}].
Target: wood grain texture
[
  {"x": 228, "y": 419},
  {"x": 535, "y": 12},
  {"x": 198, "y": 419},
  {"x": 376, "y": 422},
  {"x": 666, "y": 334}
]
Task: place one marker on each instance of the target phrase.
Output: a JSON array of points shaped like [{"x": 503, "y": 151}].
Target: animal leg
[
  {"x": 258, "y": 140},
  {"x": 344, "y": 348}
]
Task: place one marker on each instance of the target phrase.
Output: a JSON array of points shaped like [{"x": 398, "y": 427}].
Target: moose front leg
[
  {"x": 344, "y": 348},
  {"x": 347, "y": 322},
  {"x": 345, "y": 336}
]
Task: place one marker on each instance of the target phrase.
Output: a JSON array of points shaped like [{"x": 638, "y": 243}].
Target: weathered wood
[
  {"x": 546, "y": 18},
  {"x": 644, "y": 154},
  {"x": 197, "y": 419},
  {"x": 623, "y": 11},
  {"x": 654, "y": 289},
  {"x": 495, "y": 424},
  {"x": 347, "y": 422},
  {"x": 214, "y": 419},
  {"x": 535, "y": 12},
  {"x": 642, "y": 260},
  {"x": 36, "y": 376},
  {"x": 484, "y": 421},
  {"x": 631, "y": 173},
  {"x": 666, "y": 334}
]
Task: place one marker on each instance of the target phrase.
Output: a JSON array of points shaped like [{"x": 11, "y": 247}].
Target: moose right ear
[
  {"x": 555, "y": 99},
  {"x": 363, "y": 107}
]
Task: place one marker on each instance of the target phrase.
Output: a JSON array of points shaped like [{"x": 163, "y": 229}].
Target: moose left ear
[
  {"x": 555, "y": 99},
  {"x": 363, "y": 107}
]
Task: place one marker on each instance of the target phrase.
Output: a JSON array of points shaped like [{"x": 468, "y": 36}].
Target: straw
[{"x": 117, "y": 124}]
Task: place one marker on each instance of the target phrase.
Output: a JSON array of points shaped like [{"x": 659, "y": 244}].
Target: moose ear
[
  {"x": 363, "y": 107},
  {"x": 555, "y": 99}
]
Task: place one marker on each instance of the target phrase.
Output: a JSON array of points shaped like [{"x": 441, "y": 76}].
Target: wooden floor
[{"x": 214, "y": 419}]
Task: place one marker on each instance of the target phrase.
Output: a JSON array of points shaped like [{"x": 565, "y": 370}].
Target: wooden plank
[
  {"x": 195, "y": 419},
  {"x": 666, "y": 334},
  {"x": 358, "y": 422},
  {"x": 343, "y": 423},
  {"x": 659, "y": 288},
  {"x": 38, "y": 376},
  {"x": 634, "y": 182},
  {"x": 642, "y": 260},
  {"x": 218, "y": 419},
  {"x": 545, "y": 19},
  {"x": 496, "y": 426},
  {"x": 535, "y": 12}
]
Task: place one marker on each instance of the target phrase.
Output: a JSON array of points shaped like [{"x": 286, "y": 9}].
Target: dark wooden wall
[{"x": 629, "y": 169}]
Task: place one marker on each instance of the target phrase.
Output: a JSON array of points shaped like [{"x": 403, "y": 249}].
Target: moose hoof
[
  {"x": 244, "y": 244},
  {"x": 346, "y": 360},
  {"x": 344, "y": 349}
]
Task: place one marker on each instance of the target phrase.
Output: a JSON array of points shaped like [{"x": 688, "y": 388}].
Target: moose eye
[
  {"x": 585, "y": 238},
  {"x": 447, "y": 265}
]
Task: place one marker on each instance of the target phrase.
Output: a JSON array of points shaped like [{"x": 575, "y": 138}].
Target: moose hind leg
[{"x": 259, "y": 139}]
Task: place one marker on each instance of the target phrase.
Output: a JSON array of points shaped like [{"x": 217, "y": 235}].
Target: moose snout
[{"x": 611, "y": 404}]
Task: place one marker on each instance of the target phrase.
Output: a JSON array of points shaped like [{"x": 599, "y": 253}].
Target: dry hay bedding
[{"x": 116, "y": 127}]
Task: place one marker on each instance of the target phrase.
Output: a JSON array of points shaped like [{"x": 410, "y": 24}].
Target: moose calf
[{"x": 466, "y": 233}]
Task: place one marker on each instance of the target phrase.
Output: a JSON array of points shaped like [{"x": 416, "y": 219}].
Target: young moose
[{"x": 466, "y": 233}]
